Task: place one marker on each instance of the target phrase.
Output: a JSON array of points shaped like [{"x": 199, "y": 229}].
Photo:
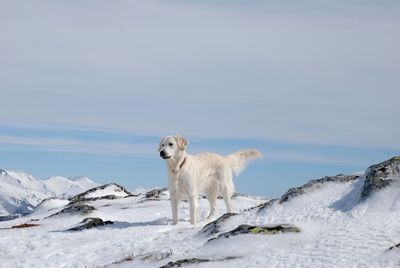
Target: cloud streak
[
  {"x": 124, "y": 145},
  {"x": 66, "y": 145}
]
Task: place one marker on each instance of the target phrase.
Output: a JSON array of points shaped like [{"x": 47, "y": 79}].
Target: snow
[
  {"x": 336, "y": 231},
  {"x": 21, "y": 192},
  {"x": 48, "y": 205},
  {"x": 65, "y": 187},
  {"x": 142, "y": 227},
  {"x": 338, "y": 228}
]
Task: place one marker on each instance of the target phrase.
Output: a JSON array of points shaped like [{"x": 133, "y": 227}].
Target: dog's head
[{"x": 172, "y": 146}]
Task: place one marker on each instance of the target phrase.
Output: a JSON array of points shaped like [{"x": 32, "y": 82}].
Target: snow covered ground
[
  {"x": 142, "y": 229},
  {"x": 338, "y": 228}
]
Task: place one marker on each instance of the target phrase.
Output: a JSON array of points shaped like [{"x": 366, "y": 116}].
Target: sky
[{"x": 88, "y": 88}]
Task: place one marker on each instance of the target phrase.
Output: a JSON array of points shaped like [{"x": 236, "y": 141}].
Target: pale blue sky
[{"x": 89, "y": 87}]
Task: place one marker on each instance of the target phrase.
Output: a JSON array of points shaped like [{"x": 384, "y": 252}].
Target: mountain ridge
[{"x": 20, "y": 192}]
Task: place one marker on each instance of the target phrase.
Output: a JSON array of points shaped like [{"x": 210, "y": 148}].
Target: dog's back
[{"x": 214, "y": 171}]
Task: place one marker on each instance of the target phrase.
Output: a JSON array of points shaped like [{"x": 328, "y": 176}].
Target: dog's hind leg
[
  {"x": 212, "y": 199},
  {"x": 227, "y": 191},
  {"x": 228, "y": 203}
]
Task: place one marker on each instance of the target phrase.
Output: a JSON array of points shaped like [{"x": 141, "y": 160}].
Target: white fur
[{"x": 207, "y": 173}]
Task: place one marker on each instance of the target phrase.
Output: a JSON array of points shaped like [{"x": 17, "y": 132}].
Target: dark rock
[
  {"x": 265, "y": 230},
  {"x": 214, "y": 226},
  {"x": 82, "y": 196},
  {"x": 179, "y": 263},
  {"x": 381, "y": 175},
  {"x": 86, "y": 199},
  {"x": 185, "y": 262},
  {"x": 24, "y": 225},
  {"x": 89, "y": 223},
  {"x": 259, "y": 206},
  {"x": 266, "y": 205},
  {"x": 9, "y": 217},
  {"x": 156, "y": 193},
  {"x": 151, "y": 256},
  {"x": 297, "y": 191},
  {"x": 395, "y": 246},
  {"x": 74, "y": 208}
]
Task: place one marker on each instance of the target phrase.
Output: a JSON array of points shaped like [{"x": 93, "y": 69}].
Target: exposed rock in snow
[
  {"x": 214, "y": 226},
  {"x": 180, "y": 263},
  {"x": 381, "y": 175},
  {"x": 157, "y": 255},
  {"x": 267, "y": 204},
  {"x": 106, "y": 191},
  {"x": 89, "y": 223},
  {"x": 265, "y": 230},
  {"x": 74, "y": 208},
  {"x": 395, "y": 246},
  {"x": 24, "y": 225},
  {"x": 156, "y": 193},
  {"x": 314, "y": 184},
  {"x": 192, "y": 261}
]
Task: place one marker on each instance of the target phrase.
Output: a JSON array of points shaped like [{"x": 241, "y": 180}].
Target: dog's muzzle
[{"x": 164, "y": 155}]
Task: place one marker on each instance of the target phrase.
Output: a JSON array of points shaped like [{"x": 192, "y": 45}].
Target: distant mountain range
[{"x": 21, "y": 192}]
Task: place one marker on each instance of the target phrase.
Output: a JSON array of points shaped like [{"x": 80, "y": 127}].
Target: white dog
[{"x": 207, "y": 173}]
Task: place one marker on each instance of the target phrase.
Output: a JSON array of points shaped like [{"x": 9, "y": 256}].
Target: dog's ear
[{"x": 182, "y": 142}]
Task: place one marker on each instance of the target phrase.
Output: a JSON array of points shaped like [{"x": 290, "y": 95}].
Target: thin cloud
[{"x": 79, "y": 146}]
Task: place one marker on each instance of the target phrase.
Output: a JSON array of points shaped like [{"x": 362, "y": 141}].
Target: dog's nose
[{"x": 162, "y": 153}]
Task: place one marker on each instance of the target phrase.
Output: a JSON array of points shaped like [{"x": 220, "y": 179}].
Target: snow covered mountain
[
  {"x": 335, "y": 221},
  {"x": 21, "y": 192}
]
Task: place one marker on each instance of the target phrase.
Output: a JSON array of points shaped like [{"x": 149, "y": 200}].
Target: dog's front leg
[
  {"x": 193, "y": 209},
  {"x": 174, "y": 206}
]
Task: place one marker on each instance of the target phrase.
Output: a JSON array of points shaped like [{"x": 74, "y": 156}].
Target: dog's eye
[{"x": 171, "y": 144}]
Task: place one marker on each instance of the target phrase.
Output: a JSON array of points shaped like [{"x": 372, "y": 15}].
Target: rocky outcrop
[
  {"x": 267, "y": 204},
  {"x": 74, "y": 208},
  {"x": 297, "y": 191},
  {"x": 394, "y": 247},
  {"x": 214, "y": 226},
  {"x": 264, "y": 230},
  {"x": 120, "y": 192},
  {"x": 156, "y": 193},
  {"x": 89, "y": 223},
  {"x": 185, "y": 262},
  {"x": 24, "y": 225},
  {"x": 381, "y": 175}
]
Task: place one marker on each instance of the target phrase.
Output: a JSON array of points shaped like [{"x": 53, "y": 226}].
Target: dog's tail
[{"x": 239, "y": 159}]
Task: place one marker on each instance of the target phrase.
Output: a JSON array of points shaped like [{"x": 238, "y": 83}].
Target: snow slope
[
  {"x": 21, "y": 192},
  {"x": 62, "y": 187},
  {"x": 338, "y": 228}
]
